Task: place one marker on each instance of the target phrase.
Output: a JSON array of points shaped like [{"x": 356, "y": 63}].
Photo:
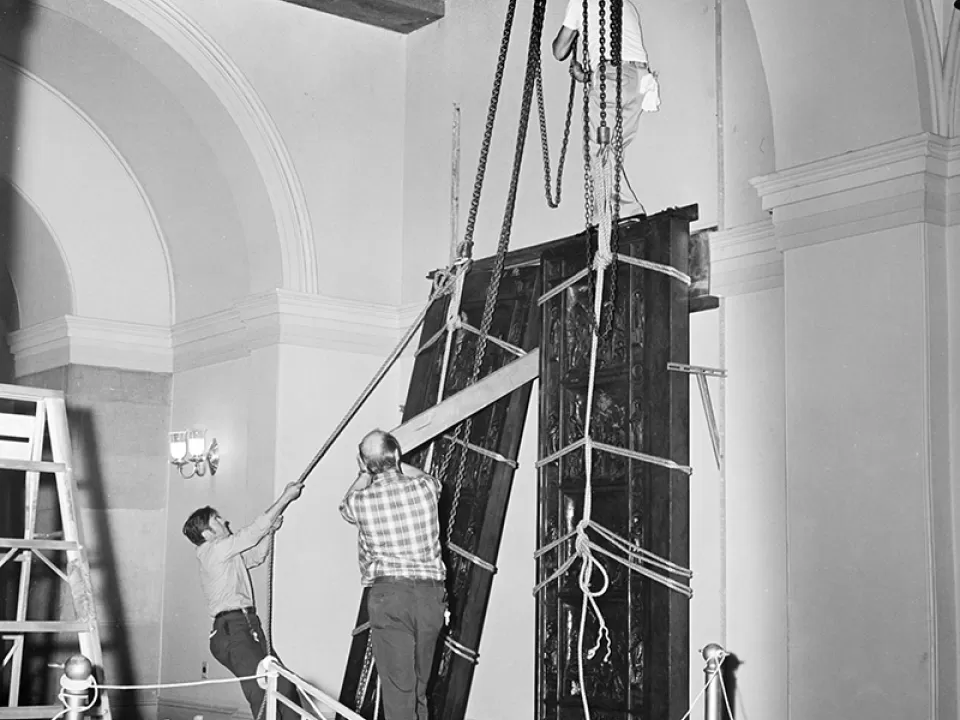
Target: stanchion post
[
  {"x": 76, "y": 681},
  {"x": 271, "y": 698},
  {"x": 712, "y": 654}
]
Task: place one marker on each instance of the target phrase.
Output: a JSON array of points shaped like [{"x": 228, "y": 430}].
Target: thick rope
[
  {"x": 444, "y": 282},
  {"x": 601, "y": 199},
  {"x": 450, "y": 327},
  {"x": 583, "y": 545},
  {"x": 475, "y": 559},
  {"x": 637, "y": 559}
]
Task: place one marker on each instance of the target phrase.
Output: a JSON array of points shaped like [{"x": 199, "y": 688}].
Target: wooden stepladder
[{"x": 28, "y": 418}]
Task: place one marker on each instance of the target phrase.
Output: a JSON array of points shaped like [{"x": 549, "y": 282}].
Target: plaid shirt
[{"x": 399, "y": 527}]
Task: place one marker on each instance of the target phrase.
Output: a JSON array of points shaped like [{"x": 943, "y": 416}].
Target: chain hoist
[
  {"x": 609, "y": 143},
  {"x": 493, "y": 289},
  {"x": 553, "y": 197}
]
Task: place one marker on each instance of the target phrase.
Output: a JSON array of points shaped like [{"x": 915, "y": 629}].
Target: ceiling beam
[{"x": 403, "y": 16}]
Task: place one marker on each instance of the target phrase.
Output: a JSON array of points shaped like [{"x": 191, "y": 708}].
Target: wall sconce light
[{"x": 189, "y": 447}]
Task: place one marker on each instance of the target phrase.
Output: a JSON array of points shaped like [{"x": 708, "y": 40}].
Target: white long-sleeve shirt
[
  {"x": 632, "y": 49},
  {"x": 224, "y": 565}
]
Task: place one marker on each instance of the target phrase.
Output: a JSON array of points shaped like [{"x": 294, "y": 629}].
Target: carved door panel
[
  {"x": 486, "y": 485},
  {"x": 638, "y": 405}
]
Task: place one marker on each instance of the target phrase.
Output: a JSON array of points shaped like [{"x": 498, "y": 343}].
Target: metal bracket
[{"x": 702, "y": 374}]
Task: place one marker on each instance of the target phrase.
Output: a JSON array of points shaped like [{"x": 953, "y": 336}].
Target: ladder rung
[
  {"x": 37, "y": 544},
  {"x": 44, "y": 626},
  {"x": 32, "y": 465},
  {"x": 24, "y": 392},
  {"x": 27, "y": 712}
]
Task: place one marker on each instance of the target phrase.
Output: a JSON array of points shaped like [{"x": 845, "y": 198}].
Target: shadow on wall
[
  {"x": 49, "y": 597},
  {"x": 114, "y": 636},
  {"x": 728, "y": 673},
  {"x": 15, "y": 18}
]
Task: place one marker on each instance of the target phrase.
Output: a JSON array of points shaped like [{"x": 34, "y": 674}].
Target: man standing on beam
[
  {"x": 395, "y": 509},
  {"x": 639, "y": 87}
]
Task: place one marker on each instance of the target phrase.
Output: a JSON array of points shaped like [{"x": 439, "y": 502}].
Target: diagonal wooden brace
[{"x": 457, "y": 408}]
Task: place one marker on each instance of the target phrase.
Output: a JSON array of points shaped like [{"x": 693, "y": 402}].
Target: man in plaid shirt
[{"x": 394, "y": 507}]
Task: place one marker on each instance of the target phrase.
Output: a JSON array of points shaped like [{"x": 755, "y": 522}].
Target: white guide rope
[{"x": 624, "y": 552}]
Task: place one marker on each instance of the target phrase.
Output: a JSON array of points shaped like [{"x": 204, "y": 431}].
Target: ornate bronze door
[
  {"x": 638, "y": 405},
  {"x": 485, "y": 466}
]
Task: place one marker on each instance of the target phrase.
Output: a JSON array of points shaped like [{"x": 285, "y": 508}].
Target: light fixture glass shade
[
  {"x": 178, "y": 446},
  {"x": 196, "y": 443}
]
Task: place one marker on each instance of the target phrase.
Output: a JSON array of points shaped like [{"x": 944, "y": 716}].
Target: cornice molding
[
  {"x": 907, "y": 181},
  {"x": 88, "y": 341},
  {"x": 283, "y": 317},
  {"x": 277, "y": 317},
  {"x": 745, "y": 259}
]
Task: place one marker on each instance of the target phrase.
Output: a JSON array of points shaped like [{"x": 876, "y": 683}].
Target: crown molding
[
  {"x": 284, "y": 317},
  {"x": 276, "y": 317},
  {"x": 906, "y": 181},
  {"x": 89, "y": 341},
  {"x": 745, "y": 259}
]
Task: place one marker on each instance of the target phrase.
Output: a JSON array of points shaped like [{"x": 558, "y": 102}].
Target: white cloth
[
  {"x": 650, "y": 91},
  {"x": 632, "y": 49}
]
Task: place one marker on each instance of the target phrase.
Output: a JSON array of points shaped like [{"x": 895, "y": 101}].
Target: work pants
[
  {"x": 406, "y": 617},
  {"x": 632, "y": 100},
  {"x": 238, "y": 643}
]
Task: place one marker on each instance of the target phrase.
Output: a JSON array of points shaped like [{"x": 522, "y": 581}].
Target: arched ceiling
[
  {"x": 181, "y": 144},
  {"x": 37, "y": 247},
  {"x": 87, "y": 200},
  {"x": 841, "y": 75}
]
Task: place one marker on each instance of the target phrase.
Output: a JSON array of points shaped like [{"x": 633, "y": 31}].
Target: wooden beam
[
  {"x": 402, "y": 16},
  {"x": 427, "y": 425}
]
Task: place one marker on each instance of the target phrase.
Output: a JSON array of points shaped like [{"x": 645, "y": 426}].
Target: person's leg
[
  {"x": 234, "y": 647},
  {"x": 630, "y": 118},
  {"x": 431, "y": 604},
  {"x": 284, "y": 686},
  {"x": 390, "y": 607},
  {"x": 630, "y": 114}
]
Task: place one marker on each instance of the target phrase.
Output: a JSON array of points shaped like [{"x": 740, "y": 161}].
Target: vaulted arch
[
  {"x": 823, "y": 103},
  {"x": 106, "y": 232}
]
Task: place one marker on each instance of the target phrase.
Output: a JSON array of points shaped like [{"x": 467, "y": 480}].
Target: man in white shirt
[
  {"x": 237, "y": 640},
  {"x": 640, "y": 91}
]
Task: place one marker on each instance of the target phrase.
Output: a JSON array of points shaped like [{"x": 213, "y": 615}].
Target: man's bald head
[{"x": 380, "y": 451}]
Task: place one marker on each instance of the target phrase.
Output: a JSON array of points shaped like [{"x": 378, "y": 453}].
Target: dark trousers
[
  {"x": 238, "y": 643},
  {"x": 406, "y": 617}
]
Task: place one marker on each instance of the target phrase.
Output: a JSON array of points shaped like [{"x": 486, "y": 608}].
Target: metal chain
[
  {"x": 616, "y": 57},
  {"x": 554, "y": 203},
  {"x": 588, "y": 170},
  {"x": 589, "y": 207},
  {"x": 604, "y": 323},
  {"x": 602, "y": 67},
  {"x": 466, "y": 247},
  {"x": 493, "y": 289}
]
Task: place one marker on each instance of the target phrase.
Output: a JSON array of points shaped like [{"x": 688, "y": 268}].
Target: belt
[
  {"x": 245, "y": 611},
  {"x": 640, "y": 65},
  {"x": 408, "y": 581}
]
